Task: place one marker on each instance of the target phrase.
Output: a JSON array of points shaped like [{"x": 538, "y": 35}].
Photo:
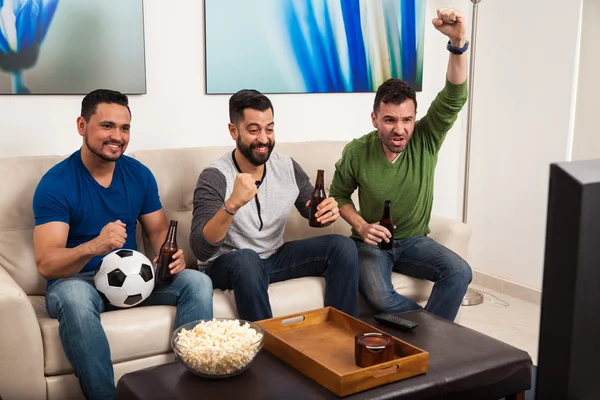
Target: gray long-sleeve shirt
[{"x": 285, "y": 185}]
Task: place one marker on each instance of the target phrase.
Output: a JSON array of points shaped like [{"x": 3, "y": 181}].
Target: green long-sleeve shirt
[{"x": 408, "y": 182}]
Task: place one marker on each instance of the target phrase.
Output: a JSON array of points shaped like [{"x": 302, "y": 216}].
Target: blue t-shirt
[{"x": 68, "y": 193}]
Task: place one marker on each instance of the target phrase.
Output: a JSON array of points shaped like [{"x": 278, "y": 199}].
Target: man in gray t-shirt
[{"x": 241, "y": 205}]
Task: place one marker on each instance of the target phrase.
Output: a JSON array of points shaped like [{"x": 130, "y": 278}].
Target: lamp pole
[
  {"x": 470, "y": 109},
  {"x": 472, "y": 297}
]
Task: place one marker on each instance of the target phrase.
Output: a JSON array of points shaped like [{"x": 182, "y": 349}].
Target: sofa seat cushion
[
  {"x": 415, "y": 289},
  {"x": 141, "y": 332},
  {"x": 132, "y": 334}
]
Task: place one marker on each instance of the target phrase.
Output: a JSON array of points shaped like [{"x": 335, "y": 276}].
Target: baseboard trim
[{"x": 508, "y": 288}]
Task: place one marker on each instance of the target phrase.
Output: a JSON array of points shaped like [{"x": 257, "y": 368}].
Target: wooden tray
[{"x": 320, "y": 344}]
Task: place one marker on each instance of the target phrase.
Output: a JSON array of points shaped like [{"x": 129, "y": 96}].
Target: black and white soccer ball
[{"x": 125, "y": 277}]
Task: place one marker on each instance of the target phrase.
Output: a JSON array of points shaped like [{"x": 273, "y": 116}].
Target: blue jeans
[
  {"x": 419, "y": 257},
  {"x": 333, "y": 256},
  {"x": 77, "y": 305}
]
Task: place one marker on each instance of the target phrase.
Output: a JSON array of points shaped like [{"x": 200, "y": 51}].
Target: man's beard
[
  {"x": 99, "y": 153},
  {"x": 247, "y": 151},
  {"x": 389, "y": 144}
]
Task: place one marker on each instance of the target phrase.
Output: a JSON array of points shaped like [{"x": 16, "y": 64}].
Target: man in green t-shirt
[{"x": 397, "y": 162}]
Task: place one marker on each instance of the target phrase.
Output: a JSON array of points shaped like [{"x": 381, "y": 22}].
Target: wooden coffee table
[{"x": 463, "y": 364}]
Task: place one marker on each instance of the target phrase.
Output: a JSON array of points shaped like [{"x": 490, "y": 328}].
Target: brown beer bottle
[
  {"x": 387, "y": 222},
  {"x": 317, "y": 197},
  {"x": 165, "y": 257}
]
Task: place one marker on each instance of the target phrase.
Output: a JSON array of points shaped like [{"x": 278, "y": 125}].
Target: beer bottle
[
  {"x": 387, "y": 222},
  {"x": 165, "y": 257},
  {"x": 317, "y": 197}
]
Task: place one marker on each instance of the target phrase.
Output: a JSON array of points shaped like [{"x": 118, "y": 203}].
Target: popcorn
[{"x": 218, "y": 347}]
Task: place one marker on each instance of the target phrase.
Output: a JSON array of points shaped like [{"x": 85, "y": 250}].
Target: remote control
[{"x": 396, "y": 322}]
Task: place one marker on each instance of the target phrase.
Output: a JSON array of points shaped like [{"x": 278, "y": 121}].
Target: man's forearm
[
  {"x": 216, "y": 228},
  {"x": 63, "y": 263},
  {"x": 457, "y": 64},
  {"x": 351, "y": 216},
  {"x": 157, "y": 239}
]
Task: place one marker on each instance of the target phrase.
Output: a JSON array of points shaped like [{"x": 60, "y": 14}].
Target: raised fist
[
  {"x": 452, "y": 23},
  {"x": 244, "y": 190}
]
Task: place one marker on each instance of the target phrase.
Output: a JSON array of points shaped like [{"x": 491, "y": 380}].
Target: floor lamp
[{"x": 472, "y": 297}]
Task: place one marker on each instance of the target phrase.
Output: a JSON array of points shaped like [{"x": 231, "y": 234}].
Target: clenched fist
[
  {"x": 111, "y": 237},
  {"x": 452, "y": 23},
  {"x": 244, "y": 190}
]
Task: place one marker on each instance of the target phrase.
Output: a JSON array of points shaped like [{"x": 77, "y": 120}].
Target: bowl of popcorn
[{"x": 217, "y": 348}]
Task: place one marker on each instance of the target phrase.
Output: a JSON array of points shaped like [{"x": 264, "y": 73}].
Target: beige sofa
[{"x": 33, "y": 363}]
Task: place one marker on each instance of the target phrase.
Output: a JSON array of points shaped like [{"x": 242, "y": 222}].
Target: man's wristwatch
[{"x": 457, "y": 50}]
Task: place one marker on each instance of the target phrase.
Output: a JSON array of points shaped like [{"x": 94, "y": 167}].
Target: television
[{"x": 570, "y": 313}]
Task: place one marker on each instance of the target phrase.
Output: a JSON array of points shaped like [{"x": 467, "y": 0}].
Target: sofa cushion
[
  {"x": 132, "y": 333},
  {"x": 141, "y": 332},
  {"x": 21, "y": 176}
]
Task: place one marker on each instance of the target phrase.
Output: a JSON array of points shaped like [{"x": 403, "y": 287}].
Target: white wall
[
  {"x": 175, "y": 112},
  {"x": 586, "y": 138},
  {"x": 524, "y": 81}
]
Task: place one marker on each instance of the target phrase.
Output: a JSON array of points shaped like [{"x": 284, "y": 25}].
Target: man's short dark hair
[
  {"x": 90, "y": 102},
  {"x": 394, "y": 91},
  {"x": 247, "y": 98}
]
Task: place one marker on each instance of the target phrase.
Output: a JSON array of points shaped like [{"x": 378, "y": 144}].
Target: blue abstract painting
[
  {"x": 71, "y": 46},
  {"x": 312, "y": 46}
]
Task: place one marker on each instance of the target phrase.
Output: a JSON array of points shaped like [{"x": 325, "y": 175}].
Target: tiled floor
[{"x": 517, "y": 324}]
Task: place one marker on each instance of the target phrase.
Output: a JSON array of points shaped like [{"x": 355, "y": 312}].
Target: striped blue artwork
[{"x": 312, "y": 46}]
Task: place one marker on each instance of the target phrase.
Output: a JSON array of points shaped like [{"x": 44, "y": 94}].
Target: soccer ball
[{"x": 125, "y": 277}]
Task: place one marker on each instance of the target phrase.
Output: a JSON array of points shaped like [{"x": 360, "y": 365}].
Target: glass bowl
[{"x": 218, "y": 359}]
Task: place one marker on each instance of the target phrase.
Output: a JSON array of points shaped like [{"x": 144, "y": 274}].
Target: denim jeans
[
  {"x": 333, "y": 256},
  {"x": 77, "y": 305},
  {"x": 419, "y": 257}
]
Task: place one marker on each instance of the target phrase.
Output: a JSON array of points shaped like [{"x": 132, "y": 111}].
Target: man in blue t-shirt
[{"x": 87, "y": 206}]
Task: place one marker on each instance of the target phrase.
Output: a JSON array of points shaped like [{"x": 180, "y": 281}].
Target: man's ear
[
  {"x": 233, "y": 131},
  {"x": 81, "y": 125},
  {"x": 374, "y": 119}
]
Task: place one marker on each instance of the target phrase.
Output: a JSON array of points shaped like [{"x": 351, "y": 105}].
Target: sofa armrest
[
  {"x": 455, "y": 235},
  {"x": 21, "y": 349}
]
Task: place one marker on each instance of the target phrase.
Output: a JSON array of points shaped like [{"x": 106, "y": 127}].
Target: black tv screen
[{"x": 569, "y": 347}]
